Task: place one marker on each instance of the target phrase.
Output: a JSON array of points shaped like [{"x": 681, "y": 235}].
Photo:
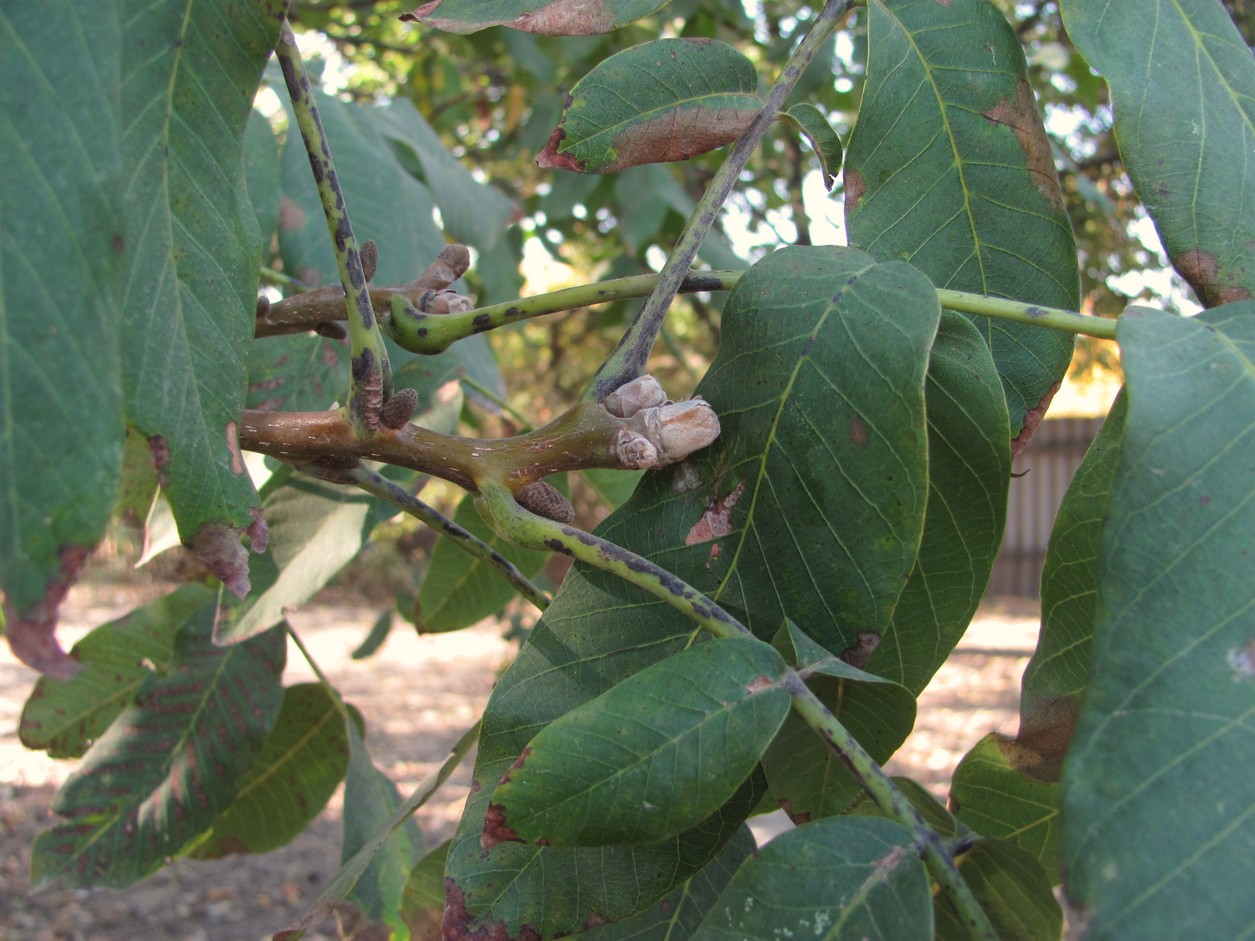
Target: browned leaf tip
[
  {"x": 1203, "y": 271},
  {"x": 1032, "y": 418},
  {"x": 218, "y": 546},
  {"x": 550, "y": 157},
  {"x": 32, "y": 633}
]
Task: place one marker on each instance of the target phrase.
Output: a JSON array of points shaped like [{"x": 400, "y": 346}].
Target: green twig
[
  {"x": 524, "y": 528},
  {"x": 894, "y": 803},
  {"x": 420, "y": 332},
  {"x": 1069, "y": 321},
  {"x": 629, "y": 357},
  {"x": 375, "y": 483},
  {"x": 370, "y": 378}
]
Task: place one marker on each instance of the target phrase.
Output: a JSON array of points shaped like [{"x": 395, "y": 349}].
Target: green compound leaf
[
  {"x": 192, "y": 250},
  {"x": 60, "y": 370},
  {"x": 807, "y": 779},
  {"x": 841, "y": 877},
  {"x": 1183, "y": 88},
  {"x": 980, "y": 209},
  {"x": 969, "y": 470},
  {"x": 66, "y": 716},
  {"x": 543, "y": 17},
  {"x": 1013, "y": 890},
  {"x": 1157, "y": 801},
  {"x": 300, "y": 764},
  {"x": 459, "y": 590},
  {"x": 169, "y": 764},
  {"x": 992, "y": 797},
  {"x": 819, "y": 386},
  {"x": 655, "y": 755},
  {"x": 819, "y": 133},
  {"x": 666, "y": 100}
]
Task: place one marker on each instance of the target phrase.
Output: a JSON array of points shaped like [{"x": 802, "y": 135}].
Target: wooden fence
[{"x": 1044, "y": 469}]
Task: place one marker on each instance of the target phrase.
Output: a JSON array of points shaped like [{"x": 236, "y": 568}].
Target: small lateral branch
[{"x": 369, "y": 372}]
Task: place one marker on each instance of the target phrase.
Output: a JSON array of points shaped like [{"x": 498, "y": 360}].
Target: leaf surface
[
  {"x": 300, "y": 764},
  {"x": 61, "y": 428},
  {"x": 949, "y": 167},
  {"x": 66, "y": 716},
  {"x": 1055, "y": 678},
  {"x": 969, "y": 469},
  {"x": 168, "y": 765},
  {"x": 678, "y": 915},
  {"x": 1183, "y": 89},
  {"x": 543, "y": 17},
  {"x": 371, "y": 802},
  {"x": 995, "y": 799},
  {"x": 192, "y": 250},
  {"x": 670, "y": 99},
  {"x": 652, "y": 757},
  {"x": 841, "y": 877},
  {"x": 1158, "y": 810}
]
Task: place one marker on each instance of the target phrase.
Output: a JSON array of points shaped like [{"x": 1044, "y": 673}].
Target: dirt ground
[{"x": 418, "y": 695}]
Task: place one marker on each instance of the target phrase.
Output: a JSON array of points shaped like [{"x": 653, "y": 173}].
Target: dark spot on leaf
[
  {"x": 457, "y": 920},
  {"x": 858, "y": 653},
  {"x": 117, "y": 242},
  {"x": 716, "y": 519},
  {"x": 595, "y": 920},
  {"x": 858, "y": 432},
  {"x": 1021, "y": 115},
  {"x": 549, "y": 157},
  {"x": 496, "y": 830},
  {"x": 855, "y": 187},
  {"x": 32, "y": 633},
  {"x": 1204, "y": 500},
  {"x": 160, "y": 453},
  {"x": 1032, "y": 418}
]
